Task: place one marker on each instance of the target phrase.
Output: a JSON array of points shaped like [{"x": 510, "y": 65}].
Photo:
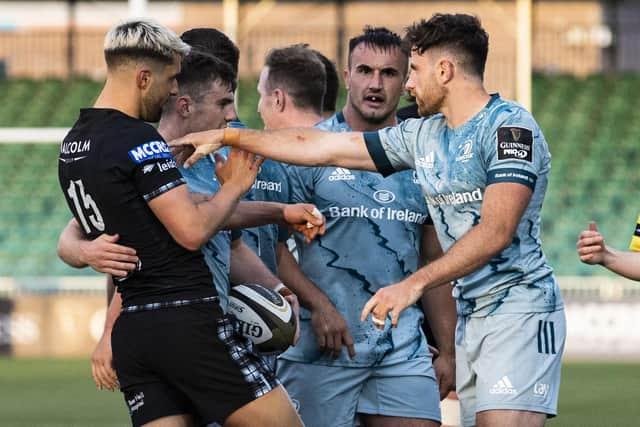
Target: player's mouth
[{"x": 374, "y": 101}]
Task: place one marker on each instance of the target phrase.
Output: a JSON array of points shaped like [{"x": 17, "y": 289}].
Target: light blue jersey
[
  {"x": 271, "y": 185},
  {"x": 374, "y": 230},
  {"x": 201, "y": 178},
  {"x": 502, "y": 143}
]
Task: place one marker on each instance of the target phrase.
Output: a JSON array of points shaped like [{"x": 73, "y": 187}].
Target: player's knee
[{"x": 274, "y": 409}]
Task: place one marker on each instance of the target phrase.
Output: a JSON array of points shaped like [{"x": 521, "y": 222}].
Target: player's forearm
[
  {"x": 247, "y": 267},
  {"x": 254, "y": 214},
  {"x": 112, "y": 313},
  {"x": 292, "y": 276},
  {"x": 624, "y": 263},
  {"x": 474, "y": 250},
  {"x": 440, "y": 312},
  {"x": 306, "y": 147},
  {"x": 209, "y": 217},
  {"x": 70, "y": 244}
]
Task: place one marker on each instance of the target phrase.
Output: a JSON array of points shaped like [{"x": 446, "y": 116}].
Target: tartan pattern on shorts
[
  {"x": 166, "y": 304},
  {"x": 254, "y": 368}
]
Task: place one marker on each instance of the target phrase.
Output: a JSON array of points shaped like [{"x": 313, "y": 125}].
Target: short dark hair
[
  {"x": 298, "y": 71},
  {"x": 199, "y": 70},
  {"x": 460, "y": 33},
  {"x": 213, "y": 42},
  {"x": 333, "y": 83},
  {"x": 379, "y": 38}
]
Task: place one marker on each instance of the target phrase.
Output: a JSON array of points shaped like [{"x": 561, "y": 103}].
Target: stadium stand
[{"x": 591, "y": 125}]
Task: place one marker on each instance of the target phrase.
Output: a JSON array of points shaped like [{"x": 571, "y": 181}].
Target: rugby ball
[{"x": 265, "y": 317}]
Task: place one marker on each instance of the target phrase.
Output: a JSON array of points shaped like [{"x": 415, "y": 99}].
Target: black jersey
[{"x": 111, "y": 165}]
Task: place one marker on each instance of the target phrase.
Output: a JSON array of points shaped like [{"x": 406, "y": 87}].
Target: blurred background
[{"x": 575, "y": 64}]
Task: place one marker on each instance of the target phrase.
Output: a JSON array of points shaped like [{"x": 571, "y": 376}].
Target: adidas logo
[
  {"x": 341, "y": 174},
  {"x": 427, "y": 161},
  {"x": 503, "y": 386}
]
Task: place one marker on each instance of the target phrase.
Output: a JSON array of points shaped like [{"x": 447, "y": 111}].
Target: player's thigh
[
  {"x": 406, "y": 389},
  {"x": 384, "y": 421},
  {"x": 172, "y": 421},
  {"x": 274, "y": 409},
  {"x": 517, "y": 361},
  {"x": 324, "y": 395},
  {"x": 465, "y": 379},
  {"x": 510, "y": 418}
]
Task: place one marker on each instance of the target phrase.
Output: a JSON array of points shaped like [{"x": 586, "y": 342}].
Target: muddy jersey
[{"x": 374, "y": 230}]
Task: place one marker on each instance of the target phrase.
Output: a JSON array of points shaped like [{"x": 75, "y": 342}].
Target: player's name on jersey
[
  {"x": 73, "y": 147},
  {"x": 383, "y": 212},
  {"x": 267, "y": 185},
  {"x": 455, "y": 198}
]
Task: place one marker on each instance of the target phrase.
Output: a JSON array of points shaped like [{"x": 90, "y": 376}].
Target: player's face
[
  {"x": 375, "y": 82},
  {"x": 213, "y": 109},
  {"x": 423, "y": 84},
  {"x": 267, "y": 101},
  {"x": 163, "y": 85}
]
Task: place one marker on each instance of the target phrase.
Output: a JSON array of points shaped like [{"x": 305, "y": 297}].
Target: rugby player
[
  {"x": 372, "y": 375},
  {"x": 483, "y": 165},
  {"x": 123, "y": 178}
]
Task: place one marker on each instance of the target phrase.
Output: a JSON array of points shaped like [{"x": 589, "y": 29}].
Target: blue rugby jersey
[
  {"x": 271, "y": 185},
  {"x": 374, "y": 229},
  {"x": 201, "y": 178},
  {"x": 502, "y": 143}
]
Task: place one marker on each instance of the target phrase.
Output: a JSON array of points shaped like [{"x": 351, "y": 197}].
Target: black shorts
[{"x": 186, "y": 360}]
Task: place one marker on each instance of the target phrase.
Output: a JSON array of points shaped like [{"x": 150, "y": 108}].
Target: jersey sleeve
[
  {"x": 154, "y": 169},
  {"x": 301, "y": 184},
  {"x": 516, "y": 151},
  {"x": 393, "y": 149}
]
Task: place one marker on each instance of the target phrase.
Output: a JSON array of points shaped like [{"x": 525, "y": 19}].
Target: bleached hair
[{"x": 140, "y": 39}]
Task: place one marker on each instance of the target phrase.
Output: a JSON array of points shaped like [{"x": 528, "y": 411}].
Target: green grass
[{"x": 39, "y": 393}]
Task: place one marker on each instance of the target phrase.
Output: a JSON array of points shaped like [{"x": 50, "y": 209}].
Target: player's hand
[
  {"x": 392, "y": 300},
  {"x": 204, "y": 142},
  {"x": 104, "y": 255},
  {"x": 239, "y": 169},
  {"x": 445, "y": 366},
  {"x": 590, "y": 245},
  {"x": 331, "y": 329},
  {"x": 102, "y": 364},
  {"x": 295, "y": 306},
  {"x": 182, "y": 153},
  {"x": 306, "y": 219}
]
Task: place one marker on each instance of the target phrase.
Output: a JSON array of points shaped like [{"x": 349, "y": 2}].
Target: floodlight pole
[
  {"x": 230, "y": 13},
  {"x": 137, "y": 8},
  {"x": 523, "y": 53}
]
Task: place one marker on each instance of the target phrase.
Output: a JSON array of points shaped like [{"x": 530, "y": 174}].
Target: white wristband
[{"x": 279, "y": 287}]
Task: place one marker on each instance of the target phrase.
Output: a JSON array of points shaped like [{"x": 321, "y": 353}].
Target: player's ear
[
  {"x": 279, "y": 98},
  {"x": 445, "y": 70},
  {"x": 345, "y": 78},
  {"x": 184, "y": 106},
  {"x": 143, "y": 78}
]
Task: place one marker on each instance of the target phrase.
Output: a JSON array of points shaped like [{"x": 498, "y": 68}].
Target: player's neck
[
  {"x": 464, "y": 103},
  {"x": 300, "y": 118},
  {"x": 117, "y": 98},
  {"x": 359, "y": 124}
]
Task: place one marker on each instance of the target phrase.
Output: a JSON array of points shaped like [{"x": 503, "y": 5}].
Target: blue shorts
[
  {"x": 509, "y": 361},
  {"x": 333, "y": 395}
]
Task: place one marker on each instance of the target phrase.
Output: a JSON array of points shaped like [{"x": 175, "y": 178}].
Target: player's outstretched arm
[
  {"x": 502, "y": 207},
  {"x": 102, "y": 254},
  {"x": 440, "y": 312},
  {"x": 303, "y": 217},
  {"x": 190, "y": 223},
  {"x": 592, "y": 249},
  {"x": 298, "y": 146},
  {"x": 328, "y": 324}
]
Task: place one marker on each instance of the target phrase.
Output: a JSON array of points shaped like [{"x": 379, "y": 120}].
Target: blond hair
[{"x": 139, "y": 39}]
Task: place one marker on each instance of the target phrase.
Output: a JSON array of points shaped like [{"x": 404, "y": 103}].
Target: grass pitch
[{"x": 48, "y": 393}]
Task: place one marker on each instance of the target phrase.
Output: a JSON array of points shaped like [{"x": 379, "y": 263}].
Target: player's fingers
[
  {"x": 337, "y": 345},
  {"x": 346, "y": 338},
  {"x": 123, "y": 250},
  {"x": 322, "y": 341},
  {"x": 368, "y": 307},
  {"x": 117, "y": 265},
  {"x": 330, "y": 346},
  {"x": 94, "y": 375},
  {"x": 395, "y": 314},
  {"x": 593, "y": 226},
  {"x": 111, "y": 238}
]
